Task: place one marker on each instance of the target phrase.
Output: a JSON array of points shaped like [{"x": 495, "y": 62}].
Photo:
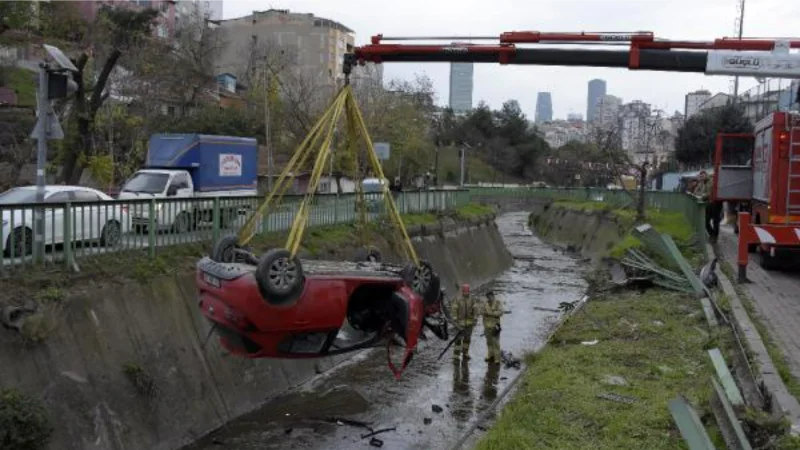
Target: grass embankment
[
  {"x": 652, "y": 347},
  {"x": 318, "y": 242},
  {"x": 654, "y": 343},
  {"x": 670, "y": 223}
]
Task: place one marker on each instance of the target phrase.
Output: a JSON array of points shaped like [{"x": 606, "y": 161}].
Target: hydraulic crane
[
  {"x": 754, "y": 57},
  {"x": 725, "y": 56}
]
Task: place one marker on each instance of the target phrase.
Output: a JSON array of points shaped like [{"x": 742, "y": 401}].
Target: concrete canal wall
[
  {"x": 592, "y": 233},
  {"x": 125, "y": 365}
]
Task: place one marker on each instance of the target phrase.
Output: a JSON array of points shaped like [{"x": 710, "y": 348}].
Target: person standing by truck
[{"x": 713, "y": 208}]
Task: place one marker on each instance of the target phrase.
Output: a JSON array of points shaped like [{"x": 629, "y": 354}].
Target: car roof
[{"x": 51, "y": 188}]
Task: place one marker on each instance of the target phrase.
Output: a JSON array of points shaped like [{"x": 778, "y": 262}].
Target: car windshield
[
  {"x": 371, "y": 187},
  {"x": 18, "y": 195},
  {"x": 149, "y": 183}
]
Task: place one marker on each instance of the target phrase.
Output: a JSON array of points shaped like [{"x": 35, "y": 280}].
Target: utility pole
[{"x": 739, "y": 28}]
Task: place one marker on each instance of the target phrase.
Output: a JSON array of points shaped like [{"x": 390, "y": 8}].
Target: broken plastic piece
[{"x": 594, "y": 342}]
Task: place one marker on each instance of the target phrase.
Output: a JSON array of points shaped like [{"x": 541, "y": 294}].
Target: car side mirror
[{"x": 172, "y": 191}]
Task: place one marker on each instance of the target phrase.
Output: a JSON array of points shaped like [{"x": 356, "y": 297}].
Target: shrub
[{"x": 24, "y": 422}]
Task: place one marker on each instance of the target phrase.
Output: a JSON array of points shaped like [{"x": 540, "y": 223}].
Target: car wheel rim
[
  {"x": 282, "y": 274},
  {"x": 421, "y": 280}
]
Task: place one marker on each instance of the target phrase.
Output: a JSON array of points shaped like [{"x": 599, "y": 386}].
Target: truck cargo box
[{"x": 216, "y": 163}]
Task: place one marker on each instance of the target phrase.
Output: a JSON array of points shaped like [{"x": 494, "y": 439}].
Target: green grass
[
  {"x": 557, "y": 407},
  {"x": 473, "y": 210},
  {"x": 671, "y": 223}
]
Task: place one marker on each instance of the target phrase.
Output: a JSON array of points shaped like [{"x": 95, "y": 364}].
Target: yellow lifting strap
[{"x": 320, "y": 138}]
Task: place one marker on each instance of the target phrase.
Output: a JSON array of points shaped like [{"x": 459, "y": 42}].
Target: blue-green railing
[
  {"x": 79, "y": 229},
  {"x": 76, "y": 230}
]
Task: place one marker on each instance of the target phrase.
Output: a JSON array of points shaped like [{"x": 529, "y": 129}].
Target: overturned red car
[{"x": 278, "y": 306}]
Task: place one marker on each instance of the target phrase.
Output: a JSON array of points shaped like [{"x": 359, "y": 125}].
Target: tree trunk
[{"x": 640, "y": 204}]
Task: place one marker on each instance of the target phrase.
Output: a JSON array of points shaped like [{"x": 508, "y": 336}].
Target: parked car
[
  {"x": 90, "y": 219},
  {"x": 276, "y": 306}
]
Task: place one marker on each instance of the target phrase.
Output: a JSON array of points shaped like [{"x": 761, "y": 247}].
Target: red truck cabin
[{"x": 776, "y": 169}]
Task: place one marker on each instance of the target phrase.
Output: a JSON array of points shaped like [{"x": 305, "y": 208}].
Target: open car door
[
  {"x": 733, "y": 167},
  {"x": 406, "y": 310}
]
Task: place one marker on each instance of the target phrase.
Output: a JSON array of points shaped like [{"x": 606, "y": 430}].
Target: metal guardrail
[{"x": 76, "y": 230}]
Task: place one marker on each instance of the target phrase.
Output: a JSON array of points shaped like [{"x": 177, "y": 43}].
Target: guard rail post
[
  {"x": 151, "y": 228},
  {"x": 215, "y": 222},
  {"x": 68, "y": 255}
]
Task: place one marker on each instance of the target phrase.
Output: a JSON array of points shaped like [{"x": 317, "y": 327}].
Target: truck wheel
[
  {"x": 280, "y": 277},
  {"x": 767, "y": 261},
  {"x": 23, "y": 243},
  {"x": 224, "y": 250},
  {"x": 423, "y": 280},
  {"x": 369, "y": 254}
]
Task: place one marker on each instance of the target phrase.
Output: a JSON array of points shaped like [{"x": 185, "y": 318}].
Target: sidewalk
[{"x": 776, "y": 297}]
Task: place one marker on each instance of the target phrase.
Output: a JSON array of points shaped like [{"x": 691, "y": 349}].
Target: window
[
  {"x": 85, "y": 196},
  {"x": 150, "y": 183},
  {"x": 58, "y": 197},
  {"x": 180, "y": 181}
]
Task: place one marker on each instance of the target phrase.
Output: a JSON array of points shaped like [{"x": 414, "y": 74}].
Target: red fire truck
[{"x": 762, "y": 170}]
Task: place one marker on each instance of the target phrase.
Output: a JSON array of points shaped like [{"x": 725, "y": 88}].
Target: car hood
[{"x": 128, "y": 195}]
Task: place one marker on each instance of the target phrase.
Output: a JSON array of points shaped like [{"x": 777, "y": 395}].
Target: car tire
[
  {"x": 369, "y": 254},
  {"x": 111, "y": 234},
  {"x": 280, "y": 277},
  {"x": 23, "y": 243},
  {"x": 423, "y": 280},
  {"x": 224, "y": 250}
]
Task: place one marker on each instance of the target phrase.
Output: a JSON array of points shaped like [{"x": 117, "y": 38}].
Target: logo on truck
[
  {"x": 230, "y": 165},
  {"x": 742, "y": 62}
]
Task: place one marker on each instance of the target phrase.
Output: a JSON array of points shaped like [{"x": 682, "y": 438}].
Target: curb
[{"x": 783, "y": 402}]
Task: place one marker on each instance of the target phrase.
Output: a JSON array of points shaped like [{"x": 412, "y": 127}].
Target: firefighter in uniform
[
  {"x": 464, "y": 309},
  {"x": 492, "y": 312}
]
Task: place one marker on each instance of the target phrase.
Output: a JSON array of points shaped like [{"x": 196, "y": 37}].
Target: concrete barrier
[{"x": 129, "y": 367}]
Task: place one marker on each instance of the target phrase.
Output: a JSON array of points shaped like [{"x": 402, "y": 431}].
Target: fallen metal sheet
[
  {"x": 694, "y": 280},
  {"x": 689, "y": 424},
  {"x": 728, "y": 423},
  {"x": 732, "y": 392},
  {"x": 708, "y": 310}
]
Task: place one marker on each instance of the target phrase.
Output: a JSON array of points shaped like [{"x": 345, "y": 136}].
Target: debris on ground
[
  {"x": 509, "y": 360},
  {"x": 349, "y": 422},
  {"x": 427, "y": 421},
  {"x": 382, "y": 430},
  {"x": 436, "y": 408},
  {"x": 375, "y": 442},
  {"x": 617, "y": 398},
  {"x": 614, "y": 380},
  {"x": 708, "y": 274},
  {"x": 594, "y": 342}
]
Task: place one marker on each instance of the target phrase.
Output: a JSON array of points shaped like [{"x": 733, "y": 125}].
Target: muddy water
[{"x": 326, "y": 414}]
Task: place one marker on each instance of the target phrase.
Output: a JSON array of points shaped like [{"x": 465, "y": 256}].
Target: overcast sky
[{"x": 674, "y": 19}]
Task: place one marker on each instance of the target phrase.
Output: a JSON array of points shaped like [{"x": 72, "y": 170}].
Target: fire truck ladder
[{"x": 793, "y": 189}]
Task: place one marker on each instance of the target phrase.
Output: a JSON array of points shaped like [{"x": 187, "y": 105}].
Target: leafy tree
[
  {"x": 118, "y": 31},
  {"x": 15, "y": 15},
  {"x": 696, "y": 138}
]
